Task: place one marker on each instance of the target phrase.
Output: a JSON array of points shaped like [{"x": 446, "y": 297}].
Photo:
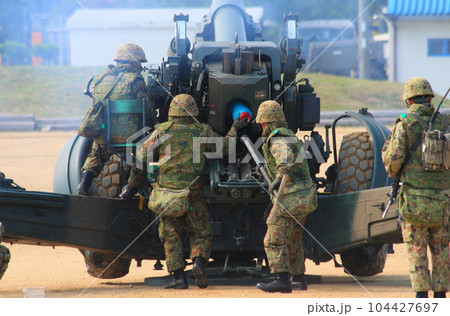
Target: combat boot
[
  {"x": 198, "y": 270},
  {"x": 298, "y": 282},
  {"x": 85, "y": 183},
  {"x": 423, "y": 294},
  {"x": 439, "y": 295},
  {"x": 179, "y": 281},
  {"x": 280, "y": 284}
]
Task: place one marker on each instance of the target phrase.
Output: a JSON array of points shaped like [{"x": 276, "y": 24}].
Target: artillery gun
[{"x": 228, "y": 70}]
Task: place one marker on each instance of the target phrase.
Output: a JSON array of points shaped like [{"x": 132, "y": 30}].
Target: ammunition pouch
[
  {"x": 167, "y": 202},
  {"x": 435, "y": 150}
]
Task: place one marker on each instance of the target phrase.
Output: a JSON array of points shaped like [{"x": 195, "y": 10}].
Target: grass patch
[{"x": 57, "y": 91}]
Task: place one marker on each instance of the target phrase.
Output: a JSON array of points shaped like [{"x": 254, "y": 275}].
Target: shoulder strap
[
  {"x": 112, "y": 86},
  {"x": 420, "y": 120},
  {"x": 409, "y": 154}
]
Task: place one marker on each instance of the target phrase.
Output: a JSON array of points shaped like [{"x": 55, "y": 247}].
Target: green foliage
[
  {"x": 57, "y": 91},
  {"x": 46, "y": 91},
  {"x": 13, "y": 53},
  {"x": 345, "y": 93},
  {"x": 48, "y": 53}
]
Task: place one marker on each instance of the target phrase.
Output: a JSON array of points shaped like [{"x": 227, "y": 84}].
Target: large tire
[
  {"x": 107, "y": 184},
  {"x": 355, "y": 166},
  {"x": 355, "y": 169}
]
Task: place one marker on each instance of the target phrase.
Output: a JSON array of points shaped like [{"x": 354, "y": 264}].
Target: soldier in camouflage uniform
[
  {"x": 177, "y": 173},
  {"x": 283, "y": 241},
  {"x": 422, "y": 193},
  {"x": 127, "y": 83},
  {"x": 5, "y": 256}
]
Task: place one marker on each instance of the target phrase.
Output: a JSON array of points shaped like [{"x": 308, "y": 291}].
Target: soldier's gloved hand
[
  {"x": 127, "y": 192},
  {"x": 240, "y": 123},
  {"x": 275, "y": 184}
]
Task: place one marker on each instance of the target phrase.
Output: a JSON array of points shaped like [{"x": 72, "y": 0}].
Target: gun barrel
[{"x": 228, "y": 18}]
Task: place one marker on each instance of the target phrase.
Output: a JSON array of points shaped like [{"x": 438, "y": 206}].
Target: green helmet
[
  {"x": 270, "y": 111},
  {"x": 130, "y": 52},
  {"x": 183, "y": 105},
  {"x": 415, "y": 87}
]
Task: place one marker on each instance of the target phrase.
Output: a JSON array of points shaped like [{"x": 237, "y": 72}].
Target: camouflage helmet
[
  {"x": 183, "y": 105},
  {"x": 270, "y": 111},
  {"x": 130, "y": 52},
  {"x": 415, "y": 87}
]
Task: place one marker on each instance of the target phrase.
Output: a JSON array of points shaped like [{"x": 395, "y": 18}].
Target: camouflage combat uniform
[
  {"x": 5, "y": 256},
  {"x": 180, "y": 172},
  {"x": 283, "y": 240},
  {"x": 422, "y": 192},
  {"x": 131, "y": 86}
]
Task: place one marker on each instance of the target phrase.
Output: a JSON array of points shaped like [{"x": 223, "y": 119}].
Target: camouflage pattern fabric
[
  {"x": 419, "y": 187},
  {"x": 167, "y": 202},
  {"x": 179, "y": 172},
  {"x": 183, "y": 105},
  {"x": 417, "y": 86},
  {"x": 437, "y": 238},
  {"x": 92, "y": 162},
  {"x": 195, "y": 224},
  {"x": 283, "y": 239},
  {"x": 130, "y": 86},
  {"x": 130, "y": 52},
  {"x": 417, "y": 207},
  {"x": 123, "y": 126},
  {"x": 270, "y": 111},
  {"x": 283, "y": 244},
  {"x": 423, "y": 197},
  {"x": 5, "y": 255}
]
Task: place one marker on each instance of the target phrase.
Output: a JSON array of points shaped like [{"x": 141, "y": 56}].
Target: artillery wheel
[
  {"x": 355, "y": 169},
  {"x": 102, "y": 265}
]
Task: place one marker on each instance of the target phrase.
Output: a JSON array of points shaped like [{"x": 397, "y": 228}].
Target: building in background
[
  {"x": 420, "y": 41},
  {"x": 95, "y": 34}
]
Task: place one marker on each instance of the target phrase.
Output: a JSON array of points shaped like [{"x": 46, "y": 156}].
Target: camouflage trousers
[
  {"x": 5, "y": 256},
  {"x": 196, "y": 224},
  {"x": 283, "y": 244},
  {"x": 416, "y": 239},
  {"x": 92, "y": 162}
]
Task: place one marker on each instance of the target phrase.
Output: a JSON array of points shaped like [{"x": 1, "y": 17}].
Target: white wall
[
  {"x": 95, "y": 34},
  {"x": 412, "y": 52},
  {"x": 96, "y": 47}
]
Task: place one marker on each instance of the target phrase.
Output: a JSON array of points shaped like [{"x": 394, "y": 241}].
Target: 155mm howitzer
[{"x": 229, "y": 70}]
